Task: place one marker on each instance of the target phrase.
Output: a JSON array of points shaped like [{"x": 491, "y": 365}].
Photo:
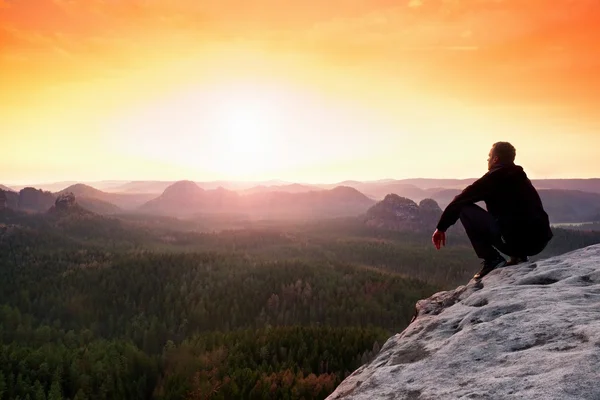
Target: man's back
[
  {"x": 517, "y": 207},
  {"x": 511, "y": 195}
]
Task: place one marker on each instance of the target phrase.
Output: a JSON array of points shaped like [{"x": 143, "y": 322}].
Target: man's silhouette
[{"x": 515, "y": 223}]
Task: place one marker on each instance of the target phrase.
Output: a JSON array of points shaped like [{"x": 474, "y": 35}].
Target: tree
[
  {"x": 39, "y": 393},
  {"x": 55, "y": 391},
  {"x": 2, "y": 385}
]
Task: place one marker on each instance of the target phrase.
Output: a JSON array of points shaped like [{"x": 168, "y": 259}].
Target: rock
[
  {"x": 66, "y": 204},
  {"x": 34, "y": 200},
  {"x": 531, "y": 331},
  {"x": 65, "y": 201},
  {"x": 402, "y": 214}
]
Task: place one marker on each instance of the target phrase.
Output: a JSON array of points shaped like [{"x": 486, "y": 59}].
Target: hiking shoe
[
  {"x": 517, "y": 260},
  {"x": 489, "y": 266}
]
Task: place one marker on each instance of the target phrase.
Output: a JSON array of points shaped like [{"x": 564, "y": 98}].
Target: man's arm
[{"x": 470, "y": 195}]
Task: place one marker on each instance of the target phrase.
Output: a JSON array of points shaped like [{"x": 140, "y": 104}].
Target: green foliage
[{"x": 104, "y": 308}]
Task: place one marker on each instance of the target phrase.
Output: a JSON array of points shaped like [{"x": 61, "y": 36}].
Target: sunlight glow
[{"x": 246, "y": 125}]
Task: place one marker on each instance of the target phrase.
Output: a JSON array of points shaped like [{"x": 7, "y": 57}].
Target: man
[{"x": 515, "y": 221}]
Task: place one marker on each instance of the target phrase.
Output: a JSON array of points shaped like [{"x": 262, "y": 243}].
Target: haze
[{"x": 300, "y": 91}]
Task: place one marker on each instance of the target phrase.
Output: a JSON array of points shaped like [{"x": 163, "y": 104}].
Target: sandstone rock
[
  {"x": 65, "y": 201},
  {"x": 35, "y": 200},
  {"x": 531, "y": 331},
  {"x": 402, "y": 214},
  {"x": 66, "y": 204}
]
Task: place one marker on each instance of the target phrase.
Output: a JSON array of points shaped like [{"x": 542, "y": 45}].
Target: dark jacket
[{"x": 514, "y": 203}]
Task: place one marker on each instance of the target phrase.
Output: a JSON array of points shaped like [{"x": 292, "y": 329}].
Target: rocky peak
[
  {"x": 430, "y": 205},
  {"x": 66, "y": 204},
  {"x": 399, "y": 213},
  {"x": 531, "y": 331},
  {"x": 65, "y": 201},
  {"x": 36, "y": 200}
]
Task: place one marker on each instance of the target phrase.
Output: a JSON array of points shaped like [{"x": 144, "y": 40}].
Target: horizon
[
  {"x": 267, "y": 183},
  {"x": 307, "y": 92}
]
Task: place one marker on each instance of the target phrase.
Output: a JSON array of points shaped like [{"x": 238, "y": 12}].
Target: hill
[
  {"x": 106, "y": 201},
  {"x": 583, "y": 185},
  {"x": 291, "y": 188},
  {"x": 6, "y": 188},
  {"x": 571, "y": 205},
  {"x": 186, "y": 198},
  {"x": 34, "y": 200},
  {"x": 151, "y": 187}
]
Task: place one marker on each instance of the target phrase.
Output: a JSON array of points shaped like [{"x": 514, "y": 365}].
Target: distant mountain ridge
[
  {"x": 6, "y": 188},
  {"x": 119, "y": 201},
  {"x": 187, "y": 198},
  {"x": 276, "y": 199},
  {"x": 34, "y": 200}
]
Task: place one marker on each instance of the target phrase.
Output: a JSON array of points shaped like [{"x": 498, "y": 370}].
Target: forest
[{"x": 137, "y": 307}]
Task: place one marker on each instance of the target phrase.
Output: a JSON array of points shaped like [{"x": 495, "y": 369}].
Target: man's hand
[{"x": 438, "y": 239}]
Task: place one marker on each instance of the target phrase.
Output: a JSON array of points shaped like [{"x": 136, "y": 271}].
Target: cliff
[{"x": 530, "y": 331}]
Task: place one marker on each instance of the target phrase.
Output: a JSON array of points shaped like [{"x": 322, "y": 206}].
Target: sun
[
  {"x": 246, "y": 125},
  {"x": 234, "y": 130}
]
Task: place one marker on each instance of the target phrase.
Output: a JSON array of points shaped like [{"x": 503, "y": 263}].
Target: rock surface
[{"x": 530, "y": 331}]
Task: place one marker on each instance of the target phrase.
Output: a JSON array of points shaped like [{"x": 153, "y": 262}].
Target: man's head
[{"x": 501, "y": 153}]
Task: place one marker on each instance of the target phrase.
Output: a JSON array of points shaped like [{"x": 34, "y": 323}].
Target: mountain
[
  {"x": 12, "y": 199},
  {"x": 291, "y": 188},
  {"x": 66, "y": 205},
  {"x": 445, "y": 196},
  {"x": 47, "y": 187},
  {"x": 419, "y": 189},
  {"x": 583, "y": 185},
  {"x": 98, "y": 206},
  {"x": 571, "y": 205},
  {"x": 561, "y": 205},
  {"x": 186, "y": 198},
  {"x": 6, "y": 188},
  {"x": 401, "y": 189},
  {"x": 380, "y": 188},
  {"x": 110, "y": 202},
  {"x": 35, "y": 200},
  {"x": 180, "y": 198},
  {"x": 529, "y": 332},
  {"x": 82, "y": 190},
  {"x": 341, "y": 201},
  {"x": 152, "y": 187},
  {"x": 401, "y": 214}
]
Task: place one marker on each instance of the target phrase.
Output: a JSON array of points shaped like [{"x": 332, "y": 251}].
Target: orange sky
[{"x": 302, "y": 91}]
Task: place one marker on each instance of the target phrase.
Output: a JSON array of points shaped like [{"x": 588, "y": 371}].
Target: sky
[{"x": 305, "y": 91}]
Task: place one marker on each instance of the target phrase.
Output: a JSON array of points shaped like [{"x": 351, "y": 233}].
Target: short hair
[{"x": 505, "y": 152}]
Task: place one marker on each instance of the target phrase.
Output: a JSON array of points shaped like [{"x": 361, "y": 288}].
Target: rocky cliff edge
[{"x": 530, "y": 332}]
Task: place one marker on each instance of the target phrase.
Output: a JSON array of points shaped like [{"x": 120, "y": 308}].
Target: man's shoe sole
[
  {"x": 499, "y": 265},
  {"x": 510, "y": 263}
]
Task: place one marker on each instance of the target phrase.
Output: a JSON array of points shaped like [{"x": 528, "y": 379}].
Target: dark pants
[{"x": 484, "y": 233}]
